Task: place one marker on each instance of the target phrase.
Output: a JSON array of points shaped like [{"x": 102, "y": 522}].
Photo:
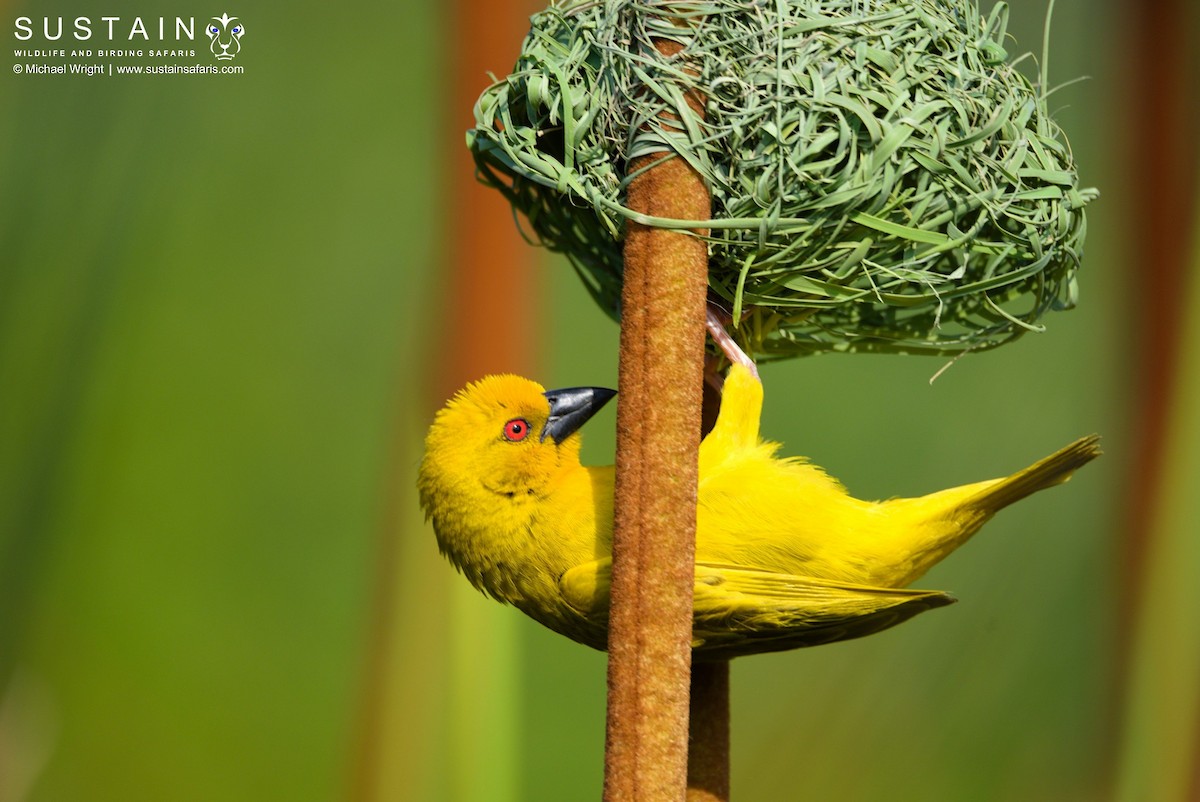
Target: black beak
[{"x": 571, "y": 408}]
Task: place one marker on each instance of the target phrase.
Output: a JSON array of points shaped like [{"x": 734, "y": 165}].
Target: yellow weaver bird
[{"x": 785, "y": 557}]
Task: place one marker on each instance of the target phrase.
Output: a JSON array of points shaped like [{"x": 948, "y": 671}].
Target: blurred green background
[{"x": 220, "y": 314}]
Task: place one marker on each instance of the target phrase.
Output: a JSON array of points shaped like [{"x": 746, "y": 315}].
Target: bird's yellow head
[{"x": 503, "y": 437}]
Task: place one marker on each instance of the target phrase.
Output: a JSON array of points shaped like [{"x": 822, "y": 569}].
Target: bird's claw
[{"x": 716, "y": 329}]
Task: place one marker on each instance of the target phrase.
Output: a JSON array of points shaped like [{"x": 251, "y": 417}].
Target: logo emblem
[{"x": 225, "y": 33}]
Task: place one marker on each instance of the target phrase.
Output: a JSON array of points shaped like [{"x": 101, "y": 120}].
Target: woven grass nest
[{"x": 883, "y": 177}]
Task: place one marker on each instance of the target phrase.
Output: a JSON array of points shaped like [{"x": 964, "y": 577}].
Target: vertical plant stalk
[
  {"x": 1161, "y": 87},
  {"x": 708, "y": 733},
  {"x": 708, "y": 719},
  {"x": 1160, "y": 100},
  {"x": 400, "y": 694},
  {"x": 661, "y": 373}
]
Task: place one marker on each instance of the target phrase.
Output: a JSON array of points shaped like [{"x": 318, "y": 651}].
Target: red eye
[{"x": 516, "y": 430}]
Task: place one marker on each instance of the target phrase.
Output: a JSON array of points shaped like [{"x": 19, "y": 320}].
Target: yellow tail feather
[{"x": 1053, "y": 470}]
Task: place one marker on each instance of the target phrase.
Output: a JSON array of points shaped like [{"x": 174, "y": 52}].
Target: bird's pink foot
[{"x": 716, "y": 329}]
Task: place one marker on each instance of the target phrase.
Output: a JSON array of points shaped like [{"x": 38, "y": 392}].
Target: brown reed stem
[
  {"x": 708, "y": 733},
  {"x": 397, "y": 694},
  {"x": 658, "y": 436},
  {"x": 708, "y": 719}
]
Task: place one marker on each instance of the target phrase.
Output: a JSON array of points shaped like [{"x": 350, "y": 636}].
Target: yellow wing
[{"x": 740, "y": 611}]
